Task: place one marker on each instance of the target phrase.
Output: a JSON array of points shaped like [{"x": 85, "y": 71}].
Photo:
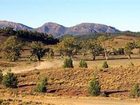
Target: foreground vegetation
[{"x": 86, "y": 68}]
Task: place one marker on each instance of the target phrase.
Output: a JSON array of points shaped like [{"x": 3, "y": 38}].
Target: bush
[
  {"x": 68, "y": 63},
  {"x": 135, "y": 91},
  {"x": 41, "y": 85},
  {"x": 1, "y": 76},
  {"x": 94, "y": 87},
  {"x": 10, "y": 80},
  {"x": 83, "y": 64},
  {"x": 105, "y": 65}
]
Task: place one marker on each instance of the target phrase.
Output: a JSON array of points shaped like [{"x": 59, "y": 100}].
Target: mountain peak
[{"x": 59, "y": 30}]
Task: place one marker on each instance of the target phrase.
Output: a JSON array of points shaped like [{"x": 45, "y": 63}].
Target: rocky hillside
[
  {"x": 88, "y": 28},
  {"x": 15, "y": 26},
  {"x": 52, "y": 28},
  {"x": 59, "y": 30},
  {"x": 80, "y": 29}
]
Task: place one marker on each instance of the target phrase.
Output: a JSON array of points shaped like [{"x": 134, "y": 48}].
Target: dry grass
[{"x": 74, "y": 82}]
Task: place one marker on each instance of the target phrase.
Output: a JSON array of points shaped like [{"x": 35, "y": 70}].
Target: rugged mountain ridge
[
  {"x": 15, "y": 26},
  {"x": 60, "y": 30}
]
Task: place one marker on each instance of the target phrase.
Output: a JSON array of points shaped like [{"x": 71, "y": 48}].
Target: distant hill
[
  {"x": 58, "y": 30},
  {"x": 52, "y": 28},
  {"x": 15, "y": 26},
  {"x": 80, "y": 29}
]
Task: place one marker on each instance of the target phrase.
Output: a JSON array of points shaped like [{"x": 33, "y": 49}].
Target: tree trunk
[
  {"x": 129, "y": 56},
  {"x": 106, "y": 54},
  {"x": 38, "y": 56},
  {"x": 94, "y": 57}
]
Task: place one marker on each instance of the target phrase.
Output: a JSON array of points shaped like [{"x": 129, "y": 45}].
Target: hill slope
[
  {"x": 80, "y": 29},
  {"x": 15, "y": 26},
  {"x": 60, "y": 30}
]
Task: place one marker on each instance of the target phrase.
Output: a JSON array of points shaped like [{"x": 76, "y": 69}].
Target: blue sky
[{"x": 122, "y": 14}]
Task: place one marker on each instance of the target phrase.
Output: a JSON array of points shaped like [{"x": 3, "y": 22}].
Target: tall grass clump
[
  {"x": 68, "y": 63},
  {"x": 41, "y": 85},
  {"x": 10, "y": 80},
  {"x": 105, "y": 65},
  {"x": 135, "y": 91},
  {"x": 83, "y": 64}
]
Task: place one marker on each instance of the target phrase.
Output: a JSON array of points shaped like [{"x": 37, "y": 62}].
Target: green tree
[
  {"x": 11, "y": 48},
  {"x": 94, "y": 48},
  {"x": 94, "y": 87},
  {"x": 128, "y": 49},
  {"x": 37, "y": 50},
  {"x": 101, "y": 40},
  {"x": 138, "y": 45},
  {"x": 83, "y": 47},
  {"x": 67, "y": 46},
  {"x": 10, "y": 80}
]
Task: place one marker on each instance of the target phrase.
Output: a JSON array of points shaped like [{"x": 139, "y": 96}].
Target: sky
[{"x": 122, "y": 14}]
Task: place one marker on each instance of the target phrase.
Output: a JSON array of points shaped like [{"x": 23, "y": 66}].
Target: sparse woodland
[{"x": 25, "y": 46}]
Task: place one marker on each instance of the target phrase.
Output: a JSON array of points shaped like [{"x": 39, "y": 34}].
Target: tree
[
  {"x": 50, "y": 53},
  {"x": 120, "y": 51},
  {"x": 94, "y": 48},
  {"x": 83, "y": 47},
  {"x": 94, "y": 87},
  {"x": 138, "y": 45},
  {"x": 1, "y": 76},
  {"x": 37, "y": 50},
  {"x": 67, "y": 46},
  {"x": 10, "y": 80},
  {"x": 41, "y": 85},
  {"x": 9, "y": 30},
  {"x": 101, "y": 40},
  {"x": 11, "y": 48},
  {"x": 128, "y": 48}
]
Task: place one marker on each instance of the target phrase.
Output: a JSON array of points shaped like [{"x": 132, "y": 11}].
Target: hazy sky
[{"x": 122, "y": 14}]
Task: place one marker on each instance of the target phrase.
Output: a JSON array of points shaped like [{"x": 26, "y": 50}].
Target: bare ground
[{"x": 75, "y": 100}]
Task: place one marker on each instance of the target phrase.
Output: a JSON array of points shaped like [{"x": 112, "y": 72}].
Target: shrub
[
  {"x": 1, "y": 76},
  {"x": 94, "y": 87},
  {"x": 135, "y": 91},
  {"x": 68, "y": 63},
  {"x": 41, "y": 85},
  {"x": 10, "y": 80},
  {"x": 105, "y": 65},
  {"x": 83, "y": 64}
]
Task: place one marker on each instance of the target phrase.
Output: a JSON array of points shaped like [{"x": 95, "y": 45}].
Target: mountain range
[{"x": 58, "y": 30}]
